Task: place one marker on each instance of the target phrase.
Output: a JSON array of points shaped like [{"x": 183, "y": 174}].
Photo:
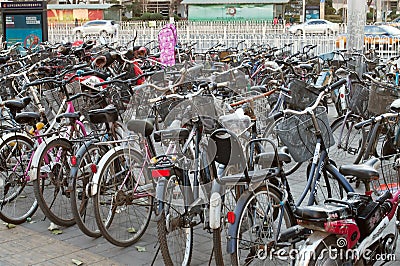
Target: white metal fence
[{"x": 207, "y": 34}]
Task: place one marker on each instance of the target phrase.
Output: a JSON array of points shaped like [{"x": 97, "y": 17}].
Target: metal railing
[{"x": 206, "y": 34}]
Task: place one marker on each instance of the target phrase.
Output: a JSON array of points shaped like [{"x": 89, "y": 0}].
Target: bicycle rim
[
  {"x": 81, "y": 203},
  {"x": 51, "y": 184},
  {"x": 17, "y": 198},
  {"x": 176, "y": 238},
  {"x": 258, "y": 229},
  {"x": 122, "y": 208}
]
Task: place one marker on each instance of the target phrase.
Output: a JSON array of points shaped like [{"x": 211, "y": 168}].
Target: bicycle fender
[
  {"x": 40, "y": 149},
  {"x": 215, "y": 204},
  {"x": 240, "y": 204},
  {"x": 215, "y": 210},
  {"x": 103, "y": 160},
  {"x": 308, "y": 250},
  {"x": 79, "y": 155},
  {"x": 9, "y": 135},
  {"x": 160, "y": 191}
]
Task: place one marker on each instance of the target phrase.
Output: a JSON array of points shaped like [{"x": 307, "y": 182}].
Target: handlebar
[
  {"x": 317, "y": 101},
  {"x": 374, "y": 120}
]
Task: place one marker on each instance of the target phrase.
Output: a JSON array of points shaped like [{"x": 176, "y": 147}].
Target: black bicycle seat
[
  {"x": 29, "y": 118},
  {"x": 106, "y": 115},
  {"x": 144, "y": 127},
  {"x": 364, "y": 171},
  {"x": 171, "y": 134}
]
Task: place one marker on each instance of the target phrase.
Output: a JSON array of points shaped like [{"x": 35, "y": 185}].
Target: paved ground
[{"x": 33, "y": 244}]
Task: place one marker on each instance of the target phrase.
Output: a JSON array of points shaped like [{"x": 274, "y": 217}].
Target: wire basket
[
  {"x": 298, "y": 134},
  {"x": 380, "y": 98},
  {"x": 303, "y": 95},
  {"x": 389, "y": 174},
  {"x": 359, "y": 97},
  {"x": 255, "y": 105}
]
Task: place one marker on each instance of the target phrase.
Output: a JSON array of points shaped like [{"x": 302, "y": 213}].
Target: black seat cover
[
  {"x": 363, "y": 171},
  {"x": 17, "y": 105},
  {"x": 105, "y": 115},
  {"x": 29, "y": 118},
  {"x": 144, "y": 127},
  {"x": 171, "y": 134},
  {"x": 322, "y": 213},
  {"x": 306, "y": 66},
  {"x": 74, "y": 115}
]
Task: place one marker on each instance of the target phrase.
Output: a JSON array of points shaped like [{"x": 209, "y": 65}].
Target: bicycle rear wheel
[
  {"x": 17, "y": 198},
  {"x": 88, "y": 157},
  {"x": 123, "y": 203},
  {"x": 51, "y": 181}
]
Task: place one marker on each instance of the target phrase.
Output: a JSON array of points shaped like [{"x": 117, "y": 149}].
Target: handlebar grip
[
  {"x": 338, "y": 84},
  {"x": 387, "y": 195},
  {"x": 363, "y": 123}
]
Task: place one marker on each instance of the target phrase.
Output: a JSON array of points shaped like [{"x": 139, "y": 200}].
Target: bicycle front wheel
[
  {"x": 51, "y": 181},
  {"x": 17, "y": 198},
  {"x": 123, "y": 203},
  {"x": 261, "y": 220},
  {"x": 174, "y": 234}
]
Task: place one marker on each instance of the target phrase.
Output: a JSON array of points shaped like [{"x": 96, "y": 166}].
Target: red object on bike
[
  {"x": 77, "y": 43},
  {"x": 93, "y": 167},
  {"x": 138, "y": 71},
  {"x": 73, "y": 160},
  {"x": 160, "y": 173},
  {"x": 231, "y": 217},
  {"x": 348, "y": 228}
]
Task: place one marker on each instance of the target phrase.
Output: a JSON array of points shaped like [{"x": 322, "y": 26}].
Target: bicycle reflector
[
  {"x": 157, "y": 173},
  {"x": 73, "y": 160},
  {"x": 93, "y": 167},
  {"x": 231, "y": 217}
]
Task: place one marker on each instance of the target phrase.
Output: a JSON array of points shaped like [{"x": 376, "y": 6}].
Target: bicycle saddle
[
  {"x": 364, "y": 171},
  {"x": 106, "y": 115},
  {"x": 171, "y": 134},
  {"x": 16, "y": 106},
  {"x": 74, "y": 115},
  {"x": 144, "y": 127},
  {"x": 322, "y": 213},
  {"x": 29, "y": 118}
]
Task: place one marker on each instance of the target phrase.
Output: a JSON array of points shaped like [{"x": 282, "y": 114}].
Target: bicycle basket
[
  {"x": 380, "y": 98},
  {"x": 389, "y": 174},
  {"x": 298, "y": 134},
  {"x": 302, "y": 94},
  {"x": 359, "y": 97}
]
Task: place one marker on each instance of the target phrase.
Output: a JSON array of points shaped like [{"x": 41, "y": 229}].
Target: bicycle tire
[
  {"x": 17, "y": 201},
  {"x": 80, "y": 178},
  {"x": 227, "y": 205},
  {"x": 182, "y": 251},
  {"x": 273, "y": 194},
  {"x": 51, "y": 181},
  {"x": 119, "y": 229},
  {"x": 350, "y": 143}
]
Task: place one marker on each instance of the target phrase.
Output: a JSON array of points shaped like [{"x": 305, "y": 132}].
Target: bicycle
[{"x": 267, "y": 214}]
